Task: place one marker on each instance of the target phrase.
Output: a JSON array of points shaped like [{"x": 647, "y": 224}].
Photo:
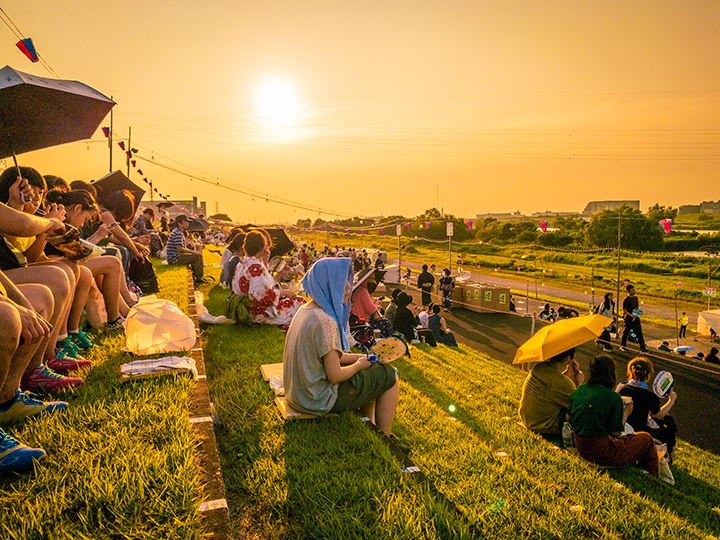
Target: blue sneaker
[
  {"x": 15, "y": 456},
  {"x": 25, "y": 405},
  {"x": 81, "y": 340}
]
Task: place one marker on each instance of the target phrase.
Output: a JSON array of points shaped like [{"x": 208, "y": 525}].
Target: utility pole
[
  {"x": 617, "y": 300},
  {"x": 110, "y": 138},
  {"x": 129, "y": 151}
]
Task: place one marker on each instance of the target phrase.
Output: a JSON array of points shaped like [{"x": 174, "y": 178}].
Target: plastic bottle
[{"x": 567, "y": 436}]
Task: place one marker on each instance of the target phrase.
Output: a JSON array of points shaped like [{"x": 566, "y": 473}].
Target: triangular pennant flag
[
  {"x": 666, "y": 225},
  {"x": 543, "y": 226},
  {"x": 128, "y": 153},
  {"x": 146, "y": 180},
  {"x": 27, "y": 47},
  {"x": 333, "y": 229},
  {"x": 347, "y": 231},
  {"x": 408, "y": 225},
  {"x": 121, "y": 144},
  {"x": 362, "y": 231},
  {"x": 133, "y": 163},
  {"x": 382, "y": 230},
  {"x": 469, "y": 224},
  {"x": 106, "y": 131},
  {"x": 140, "y": 171},
  {"x": 427, "y": 224}
]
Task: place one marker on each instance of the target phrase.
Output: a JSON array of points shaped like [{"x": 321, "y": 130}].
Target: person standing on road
[
  {"x": 447, "y": 284},
  {"x": 425, "y": 283},
  {"x": 607, "y": 309},
  {"x": 631, "y": 315},
  {"x": 683, "y": 320}
]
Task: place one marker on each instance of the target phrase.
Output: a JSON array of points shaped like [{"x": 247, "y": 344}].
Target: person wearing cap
[
  {"x": 178, "y": 253},
  {"x": 362, "y": 303}
]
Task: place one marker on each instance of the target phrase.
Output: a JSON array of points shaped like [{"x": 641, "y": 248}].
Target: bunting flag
[
  {"x": 469, "y": 224},
  {"x": 408, "y": 225},
  {"x": 121, "y": 144},
  {"x": 347, "y": 231},
  {"x": 666, "y": 225},
  {"x": 140, "y": 171},
  {"x": 362, "y": 231},
  {"x": 333, "y": 228},
  {"x": 382, "y": 230},
  {"x": 106, "y": 132},
  {"x": 543, "y": 226},
  {"x": 134, "y": 163},
  {"x": 27, "y": 47},
  {"x": 128, "y": 153},
  {"x": 427, "y": 224},
  {"x": 146, "y": 180}
]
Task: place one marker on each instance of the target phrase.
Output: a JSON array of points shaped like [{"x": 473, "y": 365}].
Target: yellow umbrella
[{"x": 559, "y": 337}]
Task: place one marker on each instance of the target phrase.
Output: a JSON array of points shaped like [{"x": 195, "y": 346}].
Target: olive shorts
[{"x": 365, "y": 386}]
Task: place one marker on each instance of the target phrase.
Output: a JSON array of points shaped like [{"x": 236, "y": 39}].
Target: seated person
[
  {"x": 319, "y": 375},
  {"x": 391, "y": 310},
  {"x": 665, "y": 346},
  {"x": 178, "y": 253},
  {"x": 439, "y": 328},
  {"x": 142, "y": 230},
  {"x": 545, "y": 313},
  {"x": 596, "y": 416},
  {"x": 699, "y": 355},
  {"x": 236, "y": 252},
  {"x": 362, "y": 303},
  {"x": 566, "y": 313},
  {"x": 546, "y": 393},
  {"x": 408, "y": 324},
  {"x": 252, "y": 280},
  {"x": 647, "y": 413},
  {"x": 712, "y": 356}
]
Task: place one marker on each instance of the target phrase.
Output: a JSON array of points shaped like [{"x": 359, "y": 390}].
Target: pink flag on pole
[{"x": 666, "y": 225}]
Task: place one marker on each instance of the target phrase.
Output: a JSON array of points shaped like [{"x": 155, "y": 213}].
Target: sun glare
[{"x": 277, "y": 102}]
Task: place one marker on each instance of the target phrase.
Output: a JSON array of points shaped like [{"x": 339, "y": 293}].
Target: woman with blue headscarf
[{"x": 319, "y": 376}]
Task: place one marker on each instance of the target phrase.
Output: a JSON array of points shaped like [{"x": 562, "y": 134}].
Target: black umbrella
[
  {"x": 197, "y": 225},
  {"x": 117, "y": 181},
  {"x": 38, "y": 113},
  {"x": 281, "y": 243}
]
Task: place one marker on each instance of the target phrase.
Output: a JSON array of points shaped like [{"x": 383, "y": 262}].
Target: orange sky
[{"x": 506, "y": 105}]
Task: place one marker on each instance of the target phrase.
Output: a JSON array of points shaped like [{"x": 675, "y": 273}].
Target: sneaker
[
  {"x": 67, "y": 348},
  {"x": 62, "y": 363},
  {"x": 44, "y": 379},
  {"x": 81, "y": 340},
  {"x": 116, "y": 325},
  {"x": 623, "y": 349},
  {"x": 15, "y": 456},
  {"x": 25, "y": 405}
]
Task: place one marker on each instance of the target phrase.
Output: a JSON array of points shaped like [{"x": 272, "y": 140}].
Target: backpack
[{"x": 143, "y": 275}]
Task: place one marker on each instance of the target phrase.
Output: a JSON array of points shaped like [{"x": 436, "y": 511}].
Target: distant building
[
  {"x": 548, "y": 213},
  {"x": 191, "y": 206},
  {"x": 705, "y": 207},
  {"x": 506, "y": 215},
  {"x": 594, "y": 207}
]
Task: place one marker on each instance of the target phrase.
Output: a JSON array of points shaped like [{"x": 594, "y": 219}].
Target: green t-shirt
[
  {"x": 545, "y": 396},
  {"x": 595, "y": 411}
]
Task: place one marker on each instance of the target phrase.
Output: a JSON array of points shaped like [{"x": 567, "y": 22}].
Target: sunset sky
[{"x": 366, "y": 107}]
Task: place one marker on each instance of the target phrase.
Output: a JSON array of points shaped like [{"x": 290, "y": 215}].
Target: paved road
[
  {"x": 697, "y": 409},
  {"x": 654, "y": 310}
]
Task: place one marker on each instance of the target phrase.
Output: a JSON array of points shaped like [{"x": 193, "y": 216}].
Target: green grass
[
  {"x": 120, "y": 460},
  {"x": 333, "y": 478}
]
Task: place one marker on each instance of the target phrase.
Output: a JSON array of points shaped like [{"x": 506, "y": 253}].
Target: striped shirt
[{"x": 176, "y": 240}]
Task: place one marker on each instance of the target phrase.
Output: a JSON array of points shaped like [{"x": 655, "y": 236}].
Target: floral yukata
[{"x": 252, "y": 280}]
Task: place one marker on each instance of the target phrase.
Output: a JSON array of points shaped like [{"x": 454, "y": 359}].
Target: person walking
[
  {"x": 683, "y": 320},
  {"x": 425, "y": 283},
  {"x": 632, "y": 313},
  {"x": 447, "y": 284}
]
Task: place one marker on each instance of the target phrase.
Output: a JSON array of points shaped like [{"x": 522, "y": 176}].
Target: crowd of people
[{"x": 68, "y": 254}]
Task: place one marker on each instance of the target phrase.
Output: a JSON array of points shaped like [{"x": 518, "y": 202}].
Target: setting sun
[{"x": 277, "y": 102}]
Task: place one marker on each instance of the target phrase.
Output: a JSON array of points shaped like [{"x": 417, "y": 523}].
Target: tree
[
  {"x": 303, "y": 223},
  {"x": 656, "y": 212},
  {"x": 638, "y": 232},
  {"x": 221, "y": 217}
]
